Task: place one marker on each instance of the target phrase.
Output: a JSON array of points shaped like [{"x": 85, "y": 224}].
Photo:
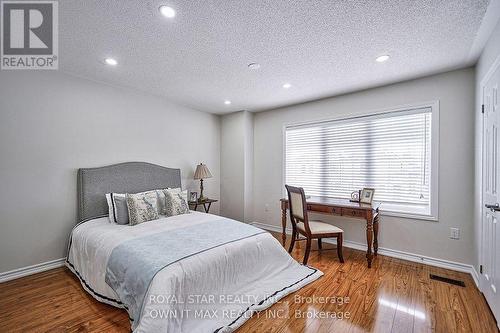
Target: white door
[{"x": 490, "y": 226}]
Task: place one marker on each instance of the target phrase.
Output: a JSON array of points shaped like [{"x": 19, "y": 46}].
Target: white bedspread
[{"x": 216, "y": 290}]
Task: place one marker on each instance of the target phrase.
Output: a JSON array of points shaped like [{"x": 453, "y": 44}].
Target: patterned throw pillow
[
  {"x": 142, "y": 207},
  {"x": 162, "y": 199},
  {"x": 177, "y": 190},
  {"x": 176, "y": 202}
]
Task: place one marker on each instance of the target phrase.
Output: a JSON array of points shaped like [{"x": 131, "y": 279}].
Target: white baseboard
[
  {"x": 475, "y": 277},
  {"x": 29, "y": 270},
  {"x": 452, "y": 265}
]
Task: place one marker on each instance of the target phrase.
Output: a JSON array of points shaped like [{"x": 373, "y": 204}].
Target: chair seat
[{"x": 320, "y": 228}]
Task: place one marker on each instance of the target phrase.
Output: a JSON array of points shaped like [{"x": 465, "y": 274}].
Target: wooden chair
[{"x": 310, "y": 229}]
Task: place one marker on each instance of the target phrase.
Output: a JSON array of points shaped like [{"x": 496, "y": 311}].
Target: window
[{"x": 394, "y": 152}]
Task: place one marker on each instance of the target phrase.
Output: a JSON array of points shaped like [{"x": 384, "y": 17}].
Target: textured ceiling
[{"x": 323, "y": 48}]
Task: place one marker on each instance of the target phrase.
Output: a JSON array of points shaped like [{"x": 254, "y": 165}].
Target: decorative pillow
[
  {"x": 161, "y": 200},
  {"x": 178, "y": 190},
  {"x": 118, "y": 209},
  {"x": 111, "y": 211},
  {"x": 176, "y": 202},
  {"x": 142, "y": 207}
]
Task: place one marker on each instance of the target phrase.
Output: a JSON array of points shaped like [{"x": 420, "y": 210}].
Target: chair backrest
[{"x": 298, "y": 207}]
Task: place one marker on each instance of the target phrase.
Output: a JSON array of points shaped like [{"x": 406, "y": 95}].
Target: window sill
[{"x": 408, "y": 215}]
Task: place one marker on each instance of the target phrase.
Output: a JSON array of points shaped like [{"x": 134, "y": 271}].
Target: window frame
[{"x": 434, "y": 163}]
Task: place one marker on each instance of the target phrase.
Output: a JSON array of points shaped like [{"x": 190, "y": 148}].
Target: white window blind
[{"x": 390, "y": 152}]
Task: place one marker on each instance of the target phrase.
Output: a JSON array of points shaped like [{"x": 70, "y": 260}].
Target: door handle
[{"x": 495, "y": 207}]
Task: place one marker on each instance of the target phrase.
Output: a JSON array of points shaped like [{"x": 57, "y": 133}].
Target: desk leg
[
  {"x": 207, "y": 209},
  {"x": 283, "y": 225},
  {"x": 369, "y": 237},
  {"x": 375, "y": 234}
]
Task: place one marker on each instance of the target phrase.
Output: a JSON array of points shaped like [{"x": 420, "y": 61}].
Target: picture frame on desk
[
  {"x": 367, "y": 195},
  {"x": 193, "y": 196},
  {"x": 355, "y": 196}
]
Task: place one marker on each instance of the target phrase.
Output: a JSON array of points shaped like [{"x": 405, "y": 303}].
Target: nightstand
[{"x": 207, "y": 203}]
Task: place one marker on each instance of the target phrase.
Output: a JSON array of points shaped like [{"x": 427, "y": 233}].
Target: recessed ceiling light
[
  {"x": 254, "y": 65},
  {"x": 382, "y": 58},
  {"x": 111, "y": 61},
  {"x": 227, "y": 102},
  {"x": 167, "y": 11},
  {"x": 287, "y": 85}
]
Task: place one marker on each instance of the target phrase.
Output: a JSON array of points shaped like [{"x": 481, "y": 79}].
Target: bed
[{"x": 193, "y": 272}]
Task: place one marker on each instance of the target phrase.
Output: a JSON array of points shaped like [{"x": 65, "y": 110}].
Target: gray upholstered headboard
[{"x": 131, "y": 177}]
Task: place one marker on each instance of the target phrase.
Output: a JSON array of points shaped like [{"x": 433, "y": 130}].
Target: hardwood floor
[{"x": 393, "y": 296}]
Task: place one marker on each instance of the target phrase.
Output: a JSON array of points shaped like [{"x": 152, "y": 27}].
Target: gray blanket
[{"x": 134, "y": 263}]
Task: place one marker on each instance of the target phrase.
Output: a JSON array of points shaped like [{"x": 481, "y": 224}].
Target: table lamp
[{"x": 201, "y": 173}]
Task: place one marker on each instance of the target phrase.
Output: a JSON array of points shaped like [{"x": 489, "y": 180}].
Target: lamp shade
[{"x": 202, "y": 172}]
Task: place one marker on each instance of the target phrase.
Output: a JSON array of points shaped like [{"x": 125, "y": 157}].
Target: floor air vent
[{"x": 447, "y": 280}]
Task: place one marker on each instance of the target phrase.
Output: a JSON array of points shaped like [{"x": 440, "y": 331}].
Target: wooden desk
[{"x": 346, "y": 208}]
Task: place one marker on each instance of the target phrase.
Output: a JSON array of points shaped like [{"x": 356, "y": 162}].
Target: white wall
[
  {"x": 248, "y": 165},
  {"x": 232, "y": 165},
  {"x": 51, "y": 124},
  {"x": 455, "y": 91},
  {"x": 237, "y": 166},
  {"x": 490, "y": 54}
]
